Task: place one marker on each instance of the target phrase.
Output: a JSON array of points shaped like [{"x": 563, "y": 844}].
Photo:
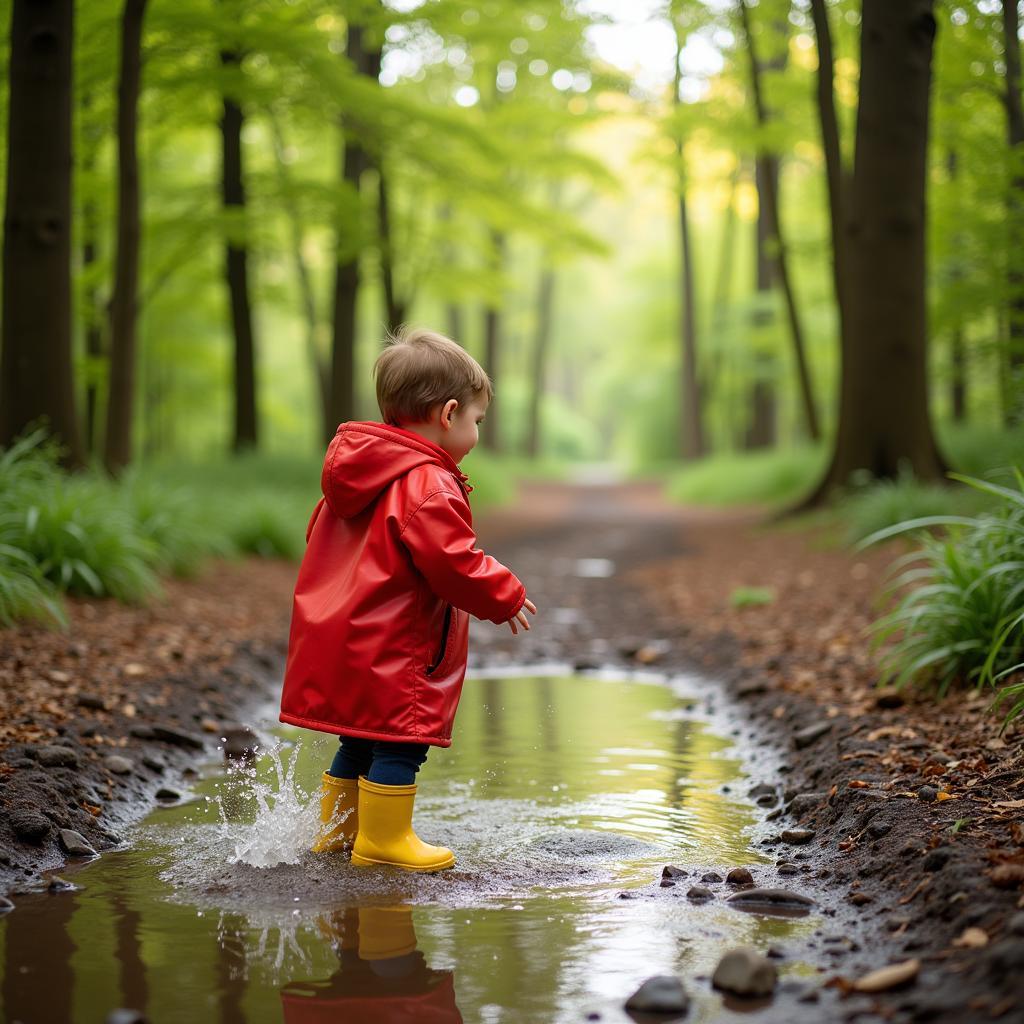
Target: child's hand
[{"x": 520, "y": 616}]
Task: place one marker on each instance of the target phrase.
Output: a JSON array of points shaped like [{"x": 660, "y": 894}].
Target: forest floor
[{"x": 907, "y": 811}]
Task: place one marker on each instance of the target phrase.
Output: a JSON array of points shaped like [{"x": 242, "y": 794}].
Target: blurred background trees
[{"x": 677, "y": 233}]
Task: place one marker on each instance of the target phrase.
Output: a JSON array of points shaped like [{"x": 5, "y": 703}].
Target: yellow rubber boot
[
  {"x": 385, "y": 932},
  {"x": 385, "y": 834},
  {"x": 339, "y": 814}
]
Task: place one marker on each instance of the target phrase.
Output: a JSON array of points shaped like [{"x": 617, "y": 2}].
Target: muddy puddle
[{"x": 562, "y": 797}]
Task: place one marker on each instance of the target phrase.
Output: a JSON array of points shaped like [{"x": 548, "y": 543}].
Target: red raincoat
[{"x": 380, "y": 620}]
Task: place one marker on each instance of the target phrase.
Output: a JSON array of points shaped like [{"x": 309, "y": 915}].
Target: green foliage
[
  {"x": 751, "y": 597},
  {"x": 962, "y": 620},
  {"x": 24, "y": 593},
  {"x": 748, "y": 478},
  {"x": 883, "y": 503}
]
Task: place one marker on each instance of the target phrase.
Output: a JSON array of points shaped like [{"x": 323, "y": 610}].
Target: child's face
[{"x": 461, "y": 426}]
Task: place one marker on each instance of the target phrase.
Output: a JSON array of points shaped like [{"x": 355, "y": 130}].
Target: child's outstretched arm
[{"x": 442, "y": 544}]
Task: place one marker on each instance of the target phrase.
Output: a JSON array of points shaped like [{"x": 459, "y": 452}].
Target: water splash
[{"x": 286, "y": 816}]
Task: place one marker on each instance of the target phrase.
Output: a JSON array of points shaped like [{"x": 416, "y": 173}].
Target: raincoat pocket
[{"x": 446, "y": 638}]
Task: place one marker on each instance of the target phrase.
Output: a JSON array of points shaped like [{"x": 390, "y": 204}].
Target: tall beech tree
[
  {"x": 36, "y": 379},
  {"x": 884, "y": 419},
  {"x": 691, "y": 421},
  {"x": 1013, "y": 402},
  {"x": 836, "y": 176},
  {"x": 236, "y": 263},
  {"x": 768, "y": 194},
  {"x": 365, "y": 57},
  {"x": 490, "y": 435},
  {"x": 117, "y": 448}
]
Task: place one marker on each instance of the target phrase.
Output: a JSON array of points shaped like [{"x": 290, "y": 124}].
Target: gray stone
[
  {"x": 117, "y": 764},
  {"x": 928, "y": 794},
  {"x": 75, "y": 843},
  {"x": 788, "y": 868},
  {"x": 177, "y": 737},
  {"x": 58, "y": 884},
  {"x": 664, "y": 993},
  {"x": 711, "y": 876},
  {"x": 698, "y": 892},
  {"x": 804, "y": 802},
  {"x": 761, "y": 789},
  {"x": 671, "y": 871},
  {"x": 154, "y": 764},
  {"x": 740, "y": 876},
  {"x": 811, "y": 734},
  {"x": 28, "y": 825},
  {"x": 781, "y": 899},
  {"x": 797, "y": 836},
  {"x": 91, "y": 701},
  {"x": 56, "y": 757},
  {"x": 744, "y": 972},
  {"x": 167, "y": 793}
]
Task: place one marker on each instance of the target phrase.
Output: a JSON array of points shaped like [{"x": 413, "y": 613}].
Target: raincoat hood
[{"x": 364, "y": 458}]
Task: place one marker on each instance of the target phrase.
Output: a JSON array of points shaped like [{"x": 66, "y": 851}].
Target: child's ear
[{"x": 448, "y": 412}]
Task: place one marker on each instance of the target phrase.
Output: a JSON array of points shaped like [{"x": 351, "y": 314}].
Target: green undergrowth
[
  {"x": 958, "y": 615},
  {"x": 85, "y": 534},
  {"x": 773, "y": 477}
]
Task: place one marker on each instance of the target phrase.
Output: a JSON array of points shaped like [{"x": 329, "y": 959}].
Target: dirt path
[{"x": 622, "y": 578}]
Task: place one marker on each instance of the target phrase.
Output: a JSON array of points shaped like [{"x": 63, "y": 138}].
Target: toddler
[{"x": 380, "y": 620}]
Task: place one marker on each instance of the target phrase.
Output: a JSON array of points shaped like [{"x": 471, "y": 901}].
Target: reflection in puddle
[{"x": 559, "y": 796}]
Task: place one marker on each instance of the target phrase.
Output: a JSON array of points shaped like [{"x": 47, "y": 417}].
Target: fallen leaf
[
  {"x": 1009, "y": 804},
  {"x": 943, "y": 795},
  {"x": 972, "y": 938},
  {"x": 888, "y": 977},
  {"x": 858, "y": 784},
  {"x": 1007, "y": 876}
]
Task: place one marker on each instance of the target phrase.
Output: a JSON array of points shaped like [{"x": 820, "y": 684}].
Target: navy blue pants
[{"x": 389, "y": 764}]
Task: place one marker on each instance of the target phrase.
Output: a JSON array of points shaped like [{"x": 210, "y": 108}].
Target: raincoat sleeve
[{"x": 441, "y": 542}]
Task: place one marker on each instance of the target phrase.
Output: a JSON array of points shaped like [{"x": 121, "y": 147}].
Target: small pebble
[
  {"x": 117, "y": 764},
  {"x": 739, "y": 876},
  {"x": 744, "y": 972},
  {"x": 663, "y": 993},
  {"x": 797, "y": 836},
  {"x": 698, "y": 892},
  {"x": 927, "y": 793}
]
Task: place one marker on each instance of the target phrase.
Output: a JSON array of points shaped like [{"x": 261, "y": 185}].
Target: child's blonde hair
[{"x": 420, "y": 369}]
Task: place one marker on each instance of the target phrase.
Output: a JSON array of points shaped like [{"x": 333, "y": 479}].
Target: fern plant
[{"x": 963, "y": 621}]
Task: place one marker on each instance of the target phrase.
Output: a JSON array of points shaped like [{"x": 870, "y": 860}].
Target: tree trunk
[
  {"x": 1015, "y": 248},
  {"x": 835, "y": 175},
  {"x": 117, "y": 448},
  {"x": 691, "y": 426},
  {"x": 307, "y": 296},
  {"x": 883, "y": 417},
  {"x": 354, "y": 162},
  {"x": 36, "y": 376},
  {"x": 768, "y": 169},
  {"x": 490, "y": 435},
  {"x": 395, "y": 308},
  {"x": 541, "y": 343},
  {"x": 762, "y": 422},
  {"x": 91, "y": 313},
  {"x": 237, "y": 263},
  {"x": 958, "y": 353}
]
